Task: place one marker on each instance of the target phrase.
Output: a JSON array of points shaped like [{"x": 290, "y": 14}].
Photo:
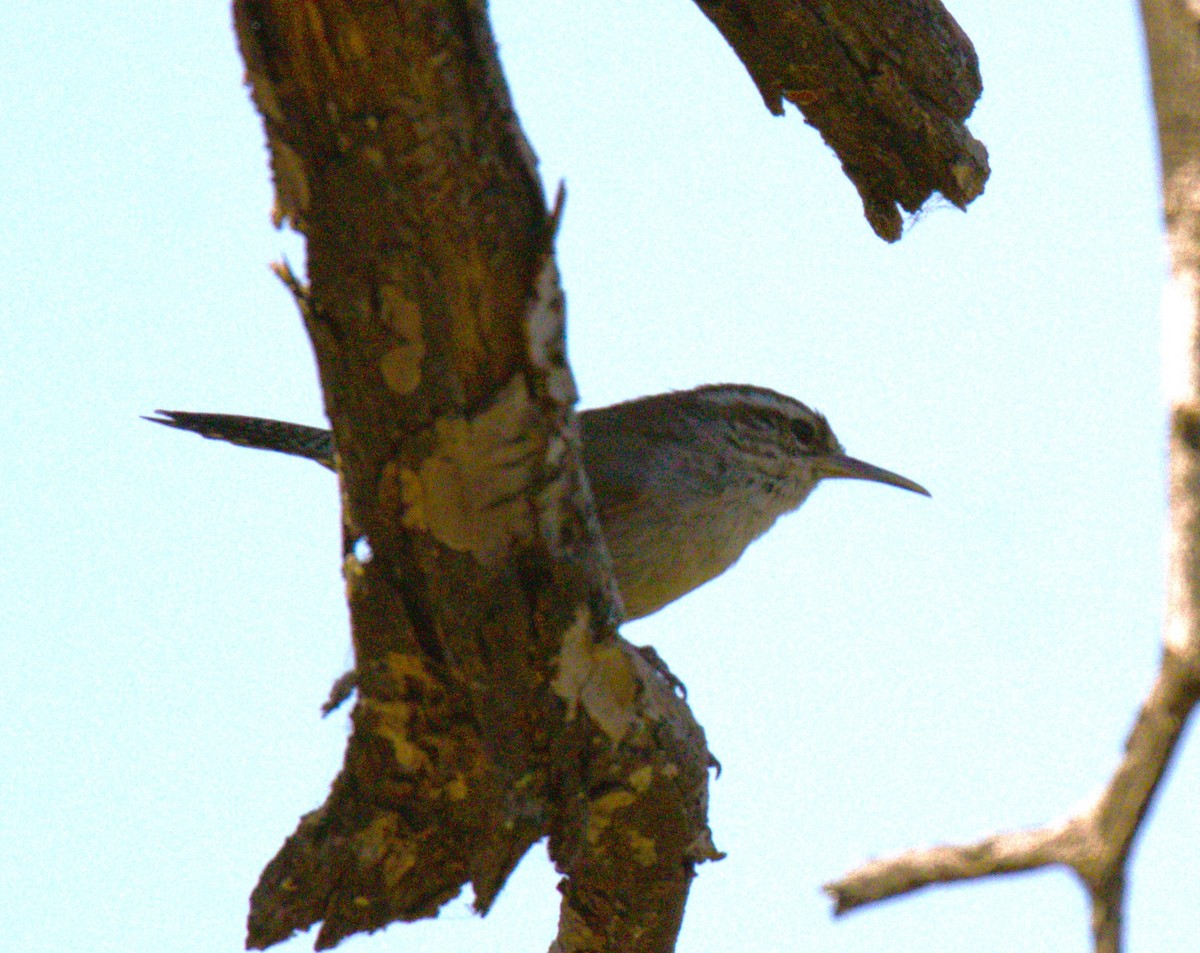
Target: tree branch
[
  {"x": 1096, "y": 842},
  {"x": 888, "y": 83},
  {"x": 496, "y": 704}
]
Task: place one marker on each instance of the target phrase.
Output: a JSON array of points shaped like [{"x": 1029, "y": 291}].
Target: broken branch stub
[{"x": 889, "y": 84}]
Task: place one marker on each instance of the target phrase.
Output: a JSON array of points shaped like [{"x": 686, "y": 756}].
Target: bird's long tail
[{"x": 259, "y": 433}]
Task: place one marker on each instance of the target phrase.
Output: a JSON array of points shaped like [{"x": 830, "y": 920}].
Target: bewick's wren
[{"x": 683, "y": 482}]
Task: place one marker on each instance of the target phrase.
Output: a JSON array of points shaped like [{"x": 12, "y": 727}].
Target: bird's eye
[{"x": 804, "y": 431}]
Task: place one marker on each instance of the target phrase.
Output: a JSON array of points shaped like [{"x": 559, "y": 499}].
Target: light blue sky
[{"x": 881, "y": 671}]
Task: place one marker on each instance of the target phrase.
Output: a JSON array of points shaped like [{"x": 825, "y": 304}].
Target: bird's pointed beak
[{"x": 847, "y": 468}]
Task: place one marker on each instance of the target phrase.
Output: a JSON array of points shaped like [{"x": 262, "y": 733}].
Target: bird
[{"x": 683, "y": 481}]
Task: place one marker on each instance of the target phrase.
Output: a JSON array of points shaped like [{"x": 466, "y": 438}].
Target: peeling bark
[{"x": 496, "y": 703}]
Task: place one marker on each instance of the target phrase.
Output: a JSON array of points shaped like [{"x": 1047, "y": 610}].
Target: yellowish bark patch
[
  {"x": 597, "y": 676},
  {"x": 602, "y": 810},
  {"x": 401, "y": 366},
  {"x": 642, "y": 848},
  {"x": 641, "y": 779},
  {"x": 457, "y": 789},
  {"x": 474, "y": 492}
]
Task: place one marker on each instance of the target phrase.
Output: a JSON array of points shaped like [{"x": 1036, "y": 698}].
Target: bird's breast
[{"x": 668, "y": 548}]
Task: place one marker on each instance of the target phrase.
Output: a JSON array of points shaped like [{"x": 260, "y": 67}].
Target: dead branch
[
  {"x": 496, "y": 704},
  {"x": 1096, "y": 841},
  {"x": 888, "y": 83}
]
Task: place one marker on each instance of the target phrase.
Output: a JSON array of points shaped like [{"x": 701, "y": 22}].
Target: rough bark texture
[
  {"x": 1096, "y": 841},
  {"x": 889, "y": 84},
  {"x": 496, "y": 704}
]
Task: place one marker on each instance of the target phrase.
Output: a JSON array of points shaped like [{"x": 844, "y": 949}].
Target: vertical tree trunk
[{"x": 496, "y": 704}]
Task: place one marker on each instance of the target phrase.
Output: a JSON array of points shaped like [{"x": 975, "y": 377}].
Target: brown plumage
[{"x": 683, "y": 481}]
